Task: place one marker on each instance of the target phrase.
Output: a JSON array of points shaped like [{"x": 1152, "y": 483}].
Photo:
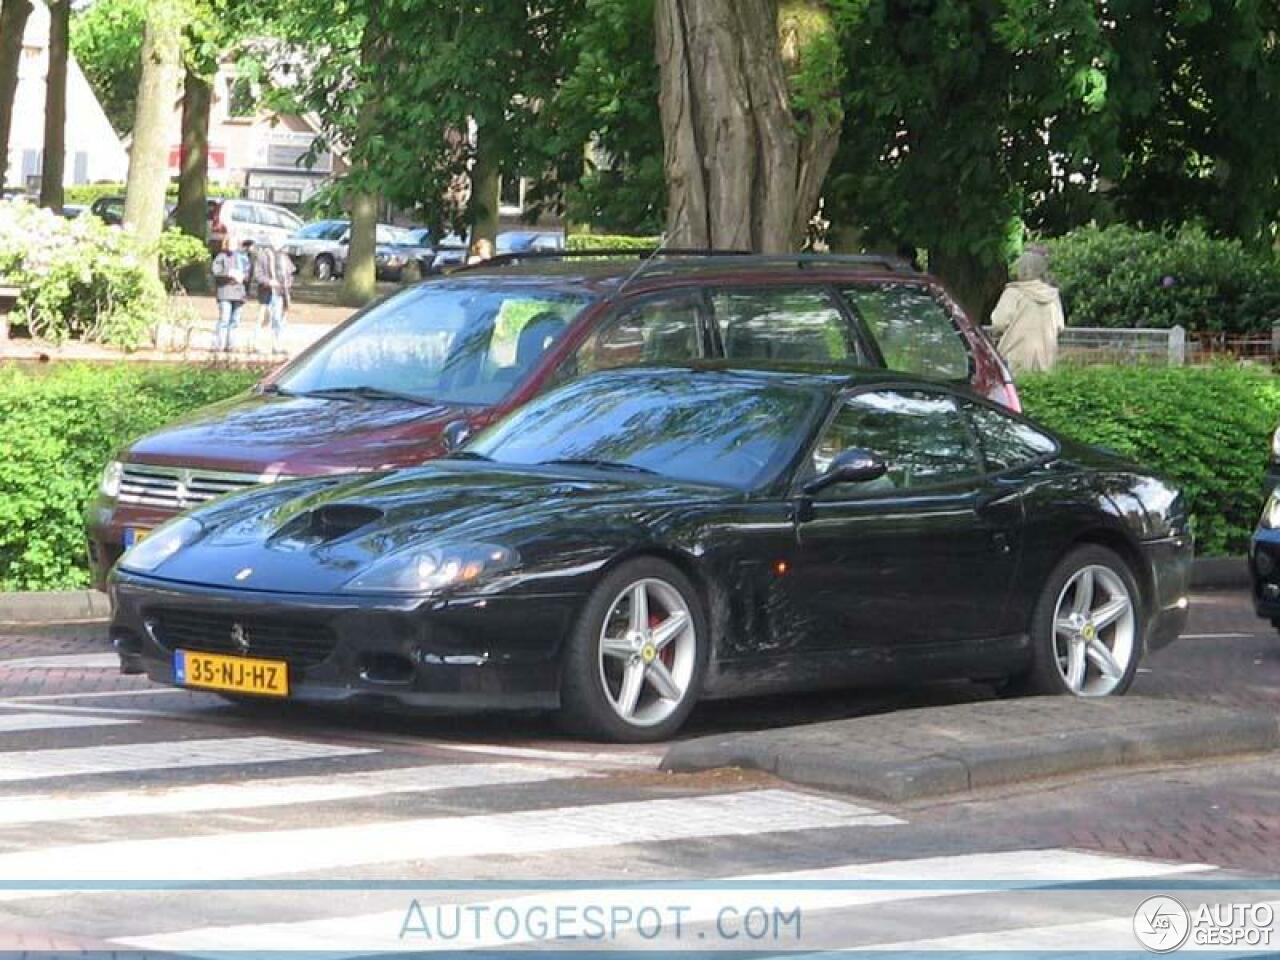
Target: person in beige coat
[{"x": 1029, "y": 317}]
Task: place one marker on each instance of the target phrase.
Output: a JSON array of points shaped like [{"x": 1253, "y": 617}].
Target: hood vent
[{"x": 326, "y": 523}]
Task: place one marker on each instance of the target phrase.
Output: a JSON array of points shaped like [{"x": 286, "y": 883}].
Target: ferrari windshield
[
  {"x": 698, "y": 427},
  {"x": 451, "y": 343}
]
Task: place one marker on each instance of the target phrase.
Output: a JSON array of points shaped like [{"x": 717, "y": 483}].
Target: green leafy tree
[
  {"x": 13, "y": 26},
  {"x": 960, "y": 115},
  {"x": 106, "y": 40}
]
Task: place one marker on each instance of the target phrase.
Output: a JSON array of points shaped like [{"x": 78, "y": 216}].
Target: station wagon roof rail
[{"x": 654, "y": 259}]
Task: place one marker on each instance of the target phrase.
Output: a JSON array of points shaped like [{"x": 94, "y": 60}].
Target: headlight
[
  {"x": 110, "y": 485},
  {"x": 1275, "y": 444},
  {"x": 429, "y": 569},
  {"x": 1271, "y": 512},
  {"x": 161, "y": 544}
]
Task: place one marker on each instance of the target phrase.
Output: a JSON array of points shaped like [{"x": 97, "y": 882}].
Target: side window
[
  {"x": 1007, "y": 443},
  {"x": 243, "y": 214},
  {"x": 785, "y": 323},
  {"x": 914, "y": 331},
  {"x": 921, "y": 436},
  {"x": 663, "y": 330}
]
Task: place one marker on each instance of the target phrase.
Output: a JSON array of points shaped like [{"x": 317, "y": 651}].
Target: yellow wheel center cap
[
  {"x": 1088, "y": 631},
  {"x": 648, "y": 652}
]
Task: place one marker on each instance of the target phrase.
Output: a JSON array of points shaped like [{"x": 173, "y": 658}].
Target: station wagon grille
[
  {"x": 299, "y": 642},
  {"x": 176, "y": 488}
]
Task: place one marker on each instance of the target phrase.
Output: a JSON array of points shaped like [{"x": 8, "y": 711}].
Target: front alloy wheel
[{"x": 633, "y": 665}]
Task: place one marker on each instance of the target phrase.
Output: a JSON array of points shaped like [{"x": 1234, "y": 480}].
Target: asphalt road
[{"x": 320, "y": 830}]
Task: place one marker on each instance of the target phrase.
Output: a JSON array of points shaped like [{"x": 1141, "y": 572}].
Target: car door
[{"x": 919, "y": 560}]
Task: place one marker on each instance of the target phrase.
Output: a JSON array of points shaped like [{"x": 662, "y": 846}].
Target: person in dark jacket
[{"x": 230, "y": 274}]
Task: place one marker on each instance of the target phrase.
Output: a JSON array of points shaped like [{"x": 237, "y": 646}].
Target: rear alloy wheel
[
  {"x": 634, "y": 663},
  {"x": 1087, "y": 631},
  {"x": 323, "y": 268}
]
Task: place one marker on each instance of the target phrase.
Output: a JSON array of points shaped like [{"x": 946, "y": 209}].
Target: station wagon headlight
[
  {"x": 429, "y": 569},
  {"x": 111, "y": 477},
  {"x": 161, "y": 544},
  {"x": 1271, "y": 512}
]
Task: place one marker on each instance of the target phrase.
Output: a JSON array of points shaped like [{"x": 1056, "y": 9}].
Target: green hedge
[
  {"x": 86, "y": 193},
  {"x": 610, "y": 241},
  {"x": 1207, "y": 428},
  {"x": 61, "y": 425},
  {"x": 1122, "y": 277}
]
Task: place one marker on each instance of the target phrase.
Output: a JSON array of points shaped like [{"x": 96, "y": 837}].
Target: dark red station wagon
[{"x": 408, "y": 378}]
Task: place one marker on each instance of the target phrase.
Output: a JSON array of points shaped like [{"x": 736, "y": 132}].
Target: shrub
[
  {"x": 61, "y": 425},
  {"x": 79, "y": 279},
  {"x": 1207, "y": 428},
  {"x": 607, "y": 241},
  {"x": 1122, "y": 277},
  {"x": 176, "y": 251},
  {"x": 86, "y": 193}
]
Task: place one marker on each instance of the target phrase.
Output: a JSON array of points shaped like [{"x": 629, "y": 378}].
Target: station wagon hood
[
  {"x": 265, "y": 433},
  {"x": 314, "y": 536}
]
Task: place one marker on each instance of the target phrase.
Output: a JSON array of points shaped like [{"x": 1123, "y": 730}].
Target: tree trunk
[
  {"x": 55, "y": 106},
  {"x": 741, "y": 173},
  {"x": 974, "y": 282},
  {"x": 485, "y": 186},
  {"x": 360, "y": 283},
  {"x": 13, "y": 27},
  {"x": 193, "y": 171},
  {"x": 157, "y": 90}
]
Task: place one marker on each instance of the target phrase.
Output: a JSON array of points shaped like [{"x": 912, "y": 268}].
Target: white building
[{"x": 94, "y": 150}]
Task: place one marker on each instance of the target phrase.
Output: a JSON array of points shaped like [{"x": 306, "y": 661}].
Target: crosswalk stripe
[
  {"x": 281, "y": 791},
  {"x": 811, "y": 891},
  {"x": 64, "y": 661},
  {"x": 23, "y": 722},
  {"x": 20, "y": 765},
  {"x": 238, "y": 856}
]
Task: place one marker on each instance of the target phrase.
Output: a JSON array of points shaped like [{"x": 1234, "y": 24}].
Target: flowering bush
[{"x": 79, "y": 279}]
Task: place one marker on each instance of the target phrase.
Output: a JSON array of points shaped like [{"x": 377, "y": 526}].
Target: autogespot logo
[{"x": 1161, "y": 924}]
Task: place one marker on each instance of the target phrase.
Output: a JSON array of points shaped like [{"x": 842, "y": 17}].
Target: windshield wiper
[
  {"x": 372, "y": 393},
  {"x": 598, "y": 464},
  {"x": 467, "y": 455}
]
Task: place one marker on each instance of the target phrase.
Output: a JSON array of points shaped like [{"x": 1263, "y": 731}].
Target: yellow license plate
[{"x": 212, "y": 671}]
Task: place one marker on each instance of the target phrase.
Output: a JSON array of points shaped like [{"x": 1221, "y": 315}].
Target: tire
[
  {"x": 595, "y": 689},
  {"x": 323, "y": 267},
  {"x": 1067, "y": 636}
]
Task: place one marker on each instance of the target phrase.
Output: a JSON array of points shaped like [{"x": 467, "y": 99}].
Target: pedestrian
[
  {"x": 230, "y": 274},
  {"x": 481, "y": 250},
  {"x": 263, "y": 260},
  {"x": 1029, "y": 317},
  {"x": 282, "y": 271}
]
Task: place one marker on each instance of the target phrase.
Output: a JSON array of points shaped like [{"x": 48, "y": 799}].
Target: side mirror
[
  {"x": 455, "y": 434},
  {"x": 854, "y": 465}
]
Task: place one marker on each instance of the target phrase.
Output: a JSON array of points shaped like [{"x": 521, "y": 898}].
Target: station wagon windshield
[
  {"x": 702, "y": 429},
  {"x": 446, "y": 343}
]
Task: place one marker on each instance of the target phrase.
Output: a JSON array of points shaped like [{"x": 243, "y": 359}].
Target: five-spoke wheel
[
  {"x": 1086, "y": 633},
  {"x": 634, "y": 663}
]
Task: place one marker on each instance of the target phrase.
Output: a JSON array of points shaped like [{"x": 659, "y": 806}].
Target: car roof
[{"x": 610, "y": 270}]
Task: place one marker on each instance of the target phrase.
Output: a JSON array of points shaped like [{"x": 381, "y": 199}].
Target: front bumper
[
  {"x": 1264, "y": 573},
  {"x": 462, "y": 653},
  {"x": 1170, "y": 563}
]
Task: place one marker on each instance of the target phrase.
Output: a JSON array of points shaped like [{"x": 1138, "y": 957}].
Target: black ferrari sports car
[{"x": 640, "y": 539}]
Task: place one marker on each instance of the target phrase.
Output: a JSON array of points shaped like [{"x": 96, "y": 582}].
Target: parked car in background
[
  {"x": 523, "y": 241},
  {"x": 416, "y": 247},
  {"x": 402, "y": 381},
  {"x": 110, "y": 210},
  {"x": 326, "y": 244},
  {"x": 451, "y": 251},
  {"x": 73, "y": 210},
  {"x": 242, "y": 220},
  {"x": 638, "y": 540}
]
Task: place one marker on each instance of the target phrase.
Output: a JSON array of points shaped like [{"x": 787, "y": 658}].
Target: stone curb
[
  {"x": 1219, "y": 573},
  {"x": 53, "y": 606},
  {"x": 810, "y": 756}
]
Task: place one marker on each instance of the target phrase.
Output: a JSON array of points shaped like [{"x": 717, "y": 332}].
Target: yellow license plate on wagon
[{"x": 212, "y": 671}]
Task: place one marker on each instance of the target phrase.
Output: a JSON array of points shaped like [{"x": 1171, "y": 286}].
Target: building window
[{"x": 242, "y": 102}]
